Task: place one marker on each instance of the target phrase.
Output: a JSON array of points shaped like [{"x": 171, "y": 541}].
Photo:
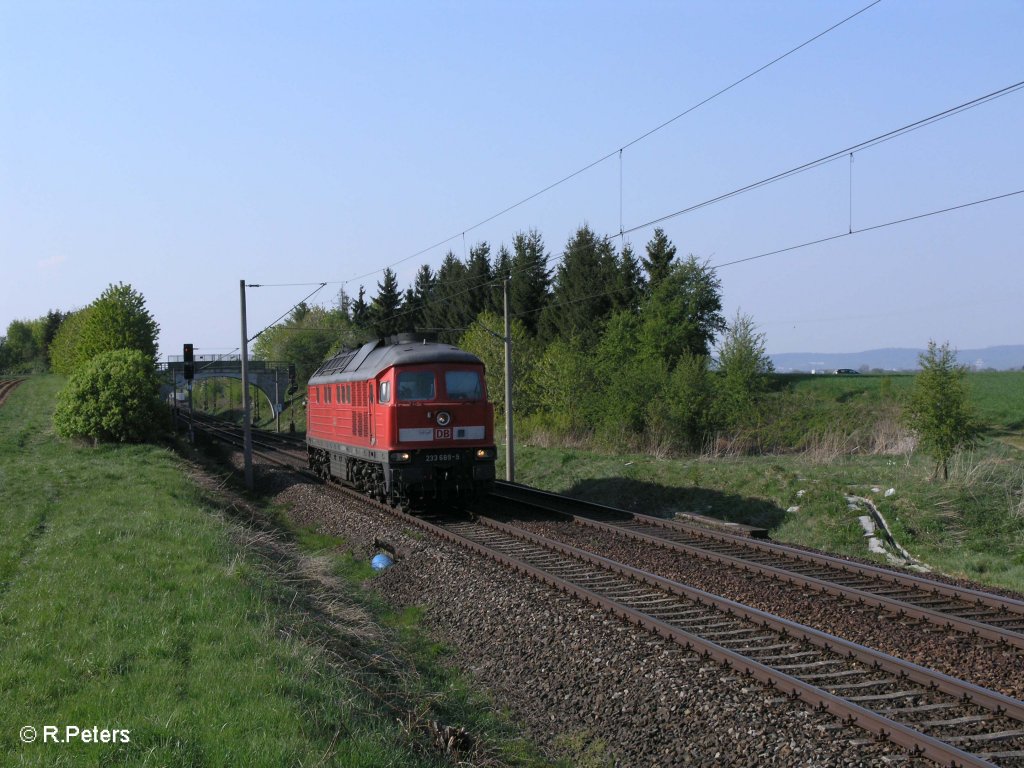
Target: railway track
[
  {"x": 7, "y": 386},
  {"x": 285, "y": 450},
  {"x": 932, "y": 715},
  {"x": 980, "y": 614},
  {"x": 928, "y": 713}
]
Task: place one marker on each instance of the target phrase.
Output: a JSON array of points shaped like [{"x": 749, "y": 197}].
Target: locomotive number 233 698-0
[{"x": 431, "y": 457}]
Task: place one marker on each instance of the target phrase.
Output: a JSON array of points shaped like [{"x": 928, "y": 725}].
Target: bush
[
  {"x": 112, "y": 398},
  {"x": 938, "y": 409}
]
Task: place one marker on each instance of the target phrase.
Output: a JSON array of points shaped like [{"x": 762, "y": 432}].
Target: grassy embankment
[
  {"x": 129, "y": 599},
  {"x": 836, "y": 428}
]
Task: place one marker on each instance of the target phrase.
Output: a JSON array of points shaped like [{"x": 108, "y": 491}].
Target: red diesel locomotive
[{"x": 402, "y": 420}]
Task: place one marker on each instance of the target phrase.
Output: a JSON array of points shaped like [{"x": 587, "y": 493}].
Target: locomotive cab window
[
  {"x": 463, "y": 385},
  {"x": 415, "y": 385},
  {"x": 385, "y": 392}
]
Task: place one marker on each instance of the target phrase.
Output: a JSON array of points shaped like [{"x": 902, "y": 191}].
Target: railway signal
[
  {"x": 190, "y": 366},
  {"x": 190, "y": 373}
]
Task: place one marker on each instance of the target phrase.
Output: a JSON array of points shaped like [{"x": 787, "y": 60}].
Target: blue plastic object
[{"x": 381, "y": 561}]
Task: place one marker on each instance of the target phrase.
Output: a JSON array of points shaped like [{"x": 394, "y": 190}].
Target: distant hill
[{"x": 896, "y": 359}]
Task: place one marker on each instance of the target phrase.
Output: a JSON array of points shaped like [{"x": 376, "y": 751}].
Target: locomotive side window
[
  {"x": 338, "y": 393},
  {"x": 327, "y": 394},
  {"x": 415, "y": 385},
  {"x": 385, "y": 392},
  {"x": 463, "y": 385},
  {"x": 316, "y": 393}
]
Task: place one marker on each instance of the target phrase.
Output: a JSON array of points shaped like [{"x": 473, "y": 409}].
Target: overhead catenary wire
[
  {"x": 775, "y": 252},
  {"x": 833, "y": 156},
  {"x": 850, "y": 151},
  {"x": 618, "y": 150},
  {"x": 266, "y": 327},
  {"x": 799, "y": 246}
]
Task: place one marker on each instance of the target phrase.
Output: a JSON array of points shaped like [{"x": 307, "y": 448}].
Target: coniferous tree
[
  {"x": 531, "y": 278},
  {"x": 660, "y": 253},
  {"x": 416, "y": 298},
  {"x": 386, "y": 305},
  {"x": 584, "y": 284},
  {"x": 343, "y": 303},
  {"x": 631, "y": 281},
  {"x": 442, "y": 312},
  {"x": 502, "y": 270},
  {"x": 361, "y": 310},
  {"x": 477, "y": 294}
]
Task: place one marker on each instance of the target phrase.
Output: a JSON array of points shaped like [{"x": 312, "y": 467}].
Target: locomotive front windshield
[
  {"x": 415, "y": 385},
  {"x": 463, "y": 385}
]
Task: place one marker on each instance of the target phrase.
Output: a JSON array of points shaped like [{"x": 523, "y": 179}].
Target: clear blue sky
[{"x": 181, "y": 146}]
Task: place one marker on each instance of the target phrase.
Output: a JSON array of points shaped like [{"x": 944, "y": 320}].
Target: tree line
[
  {"x": 108, "y": 350},
  {"x": 631, "y": 352},
  {"x": 611, "y": 347},
  {"x": 607, "y": 343}
]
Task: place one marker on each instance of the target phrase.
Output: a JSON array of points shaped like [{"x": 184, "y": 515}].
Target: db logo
[{"x": 443, "y": 434}]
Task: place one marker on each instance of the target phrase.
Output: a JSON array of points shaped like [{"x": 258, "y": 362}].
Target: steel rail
[
  {"x": 514, "y": 492},
  {"x": 984, "y": 697},
  {"x": 916, "y": 742},
  {"x": 7, "y": 386},
  {"x": 862, "y": 597},
  {"x": 228, "y": 434},
  {"x": 850, "y": 712}
]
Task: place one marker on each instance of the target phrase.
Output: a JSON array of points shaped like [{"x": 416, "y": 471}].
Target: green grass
[
  {"x": 129, "y": 601},
  {"x": 972, "y": 525}
]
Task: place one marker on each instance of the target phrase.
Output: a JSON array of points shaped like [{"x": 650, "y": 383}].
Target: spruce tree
[
  {"x": 660, "y": 253},
  {"x": 386, "y": 305},
  {"x": 531, "y": 278},
  {"x": 585, "y": 282},
  {"x": 442, "y": 312},
  {"x": 631, "y": 284},
  {"x": 361, "y": 310},
  {"x": 477, "y": 294}
]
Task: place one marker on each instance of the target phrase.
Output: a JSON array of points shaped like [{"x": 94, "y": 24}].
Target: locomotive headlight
[
  {"x": 485, "y": 453},
  {"x": 443, "y": 418},
  {"x": 400, "y": 457}
]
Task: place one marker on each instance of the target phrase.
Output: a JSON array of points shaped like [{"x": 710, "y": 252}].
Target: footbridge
[{"x": 269, "y": 377}]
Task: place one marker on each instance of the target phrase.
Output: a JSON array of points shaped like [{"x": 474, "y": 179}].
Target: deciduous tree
[
  {"x": 744, "y": 368},
  {"x": 683, "y": 313},
  {"x": 118, "y": 319},
  {"x": 112, "y": 398},
  {"x": 938, "y": 410}
]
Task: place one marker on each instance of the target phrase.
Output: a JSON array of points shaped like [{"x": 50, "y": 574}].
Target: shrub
[
  {"x": 938, "y": 409},
  {"x": 112, "y": 398}
]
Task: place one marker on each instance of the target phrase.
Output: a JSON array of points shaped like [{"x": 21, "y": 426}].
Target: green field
[
  {"x": 130, "y": 599},
  {"x": 971, "y": 526}
]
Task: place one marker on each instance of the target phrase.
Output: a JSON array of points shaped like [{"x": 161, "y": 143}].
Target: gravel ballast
[{"x": 581, "y": 682}]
